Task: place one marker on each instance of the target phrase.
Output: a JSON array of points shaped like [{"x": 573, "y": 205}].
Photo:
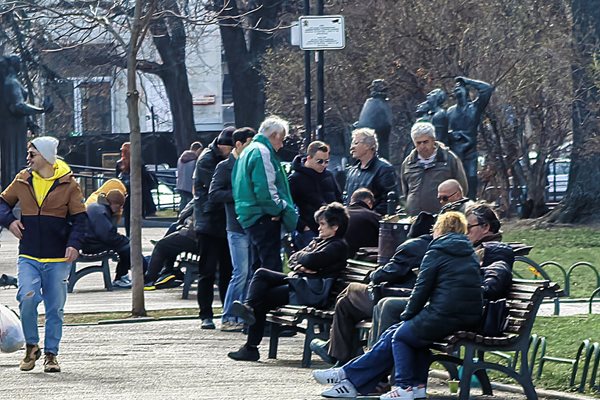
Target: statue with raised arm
[
  {"x": 431, "y": 110},
  {"x": 376, "y": 114},
  {"x": 463, "y": 121},
  {"x": 15, "y": 118}
]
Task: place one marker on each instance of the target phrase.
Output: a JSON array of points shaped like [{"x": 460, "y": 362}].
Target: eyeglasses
[
  {"x": 473, "y": 226},
  {"x": 320, "y": 161},
  {"x": 446, "y": 198},
  {"x": 31, "y": 154}
]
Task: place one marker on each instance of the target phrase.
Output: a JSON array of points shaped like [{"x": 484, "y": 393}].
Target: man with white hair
[
  {"x": 370, "y": 171},
  {"x": 263, "y": 201},
  {"x": 428, "y": 165}
]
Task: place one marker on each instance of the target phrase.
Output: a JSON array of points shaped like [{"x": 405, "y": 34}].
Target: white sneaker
[
  {"x": 398, "y": 394},
  {"x": 126, "y": 278},
  {"x": 120, "y": 283},
  {"x": 344, "y": 389},
  {"x": 419, "y": 392},
  {"x": 329, "y": 376}
]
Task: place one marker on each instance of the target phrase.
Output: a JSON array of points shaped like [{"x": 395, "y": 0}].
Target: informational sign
[{"x": 322, "y": 32}]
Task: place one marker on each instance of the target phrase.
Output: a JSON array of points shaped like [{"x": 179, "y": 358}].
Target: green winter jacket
[{"x": 260, "y": 186}]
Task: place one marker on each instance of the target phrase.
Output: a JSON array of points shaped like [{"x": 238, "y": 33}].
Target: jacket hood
[
  {"x": 298, "y": 166},
  {"x": 497, "y": 251},
  {"x": 454, "y": 244},
  {"x": 187, "y": 156},
  {"x": 60, "y": 169}
]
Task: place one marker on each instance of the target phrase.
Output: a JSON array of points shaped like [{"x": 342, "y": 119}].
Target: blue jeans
[
  {"x": 239, "y": 248},
  {"x": 45, "y": 282},
  {"x": 411, "y": 357}
]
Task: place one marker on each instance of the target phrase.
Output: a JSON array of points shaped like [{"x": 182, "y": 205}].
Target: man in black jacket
[
  {"x": 102, "y": 234},
  {"x": 210, "y": 227},
  {"x": 312, "y": 186},
  {"x": 370, "y": 171},
  {"x": 363, "y": 226}
]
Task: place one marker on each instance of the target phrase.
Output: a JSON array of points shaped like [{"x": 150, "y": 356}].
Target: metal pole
[
  {"x": 320, "y": 58},
  {"x": 307, "y": 88}
]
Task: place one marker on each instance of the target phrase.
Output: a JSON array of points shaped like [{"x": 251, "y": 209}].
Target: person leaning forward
[{"x": 50, "y": 233}]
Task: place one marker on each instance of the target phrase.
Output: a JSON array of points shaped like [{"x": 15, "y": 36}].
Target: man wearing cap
[
  {"x": 102, "y": 234},
  {"x": 210, "y": 223},
  {"x": 50, "y": 233}
]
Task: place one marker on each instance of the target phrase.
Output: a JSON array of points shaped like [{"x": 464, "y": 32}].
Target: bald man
[{"x": 451, "y": 196}]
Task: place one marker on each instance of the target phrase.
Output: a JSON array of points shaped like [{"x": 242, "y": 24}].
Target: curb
[{"x": 553, "y": 394}]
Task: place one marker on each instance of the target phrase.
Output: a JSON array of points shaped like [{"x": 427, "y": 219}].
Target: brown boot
[
  {"x": 32, "y": 354},
  {"x": 51, "y": 363}
]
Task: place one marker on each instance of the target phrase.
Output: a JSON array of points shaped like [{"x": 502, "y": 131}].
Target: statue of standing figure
[
  {"x": 463, "y": 120},
  {"x": 15, "y": 118},
  {"x": 376, "y": 114},
  {"x": 431, "y": 110}
]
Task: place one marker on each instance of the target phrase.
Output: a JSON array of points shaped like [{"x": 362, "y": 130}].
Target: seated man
[
  {"x": 363, "y": 225},
  {"x": 102, "y": 234},
  {"x": 355, "y": 303},
  {"x": 451, "y": 196},
  {"x": 161, "y": 271}
]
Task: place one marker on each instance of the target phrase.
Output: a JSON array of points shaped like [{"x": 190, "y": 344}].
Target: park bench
[
  {"x": 523, "y": 301},
  {"x": 190, "y": 263},
  {"x": 103, "y": 258},
  {"x": 311, "y": 321}
]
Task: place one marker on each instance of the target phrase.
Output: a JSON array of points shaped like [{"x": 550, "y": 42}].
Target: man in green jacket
[{"x": 263, "y": 201}]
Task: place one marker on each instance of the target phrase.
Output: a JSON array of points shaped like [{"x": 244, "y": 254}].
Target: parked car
[{"x": 557, "y": 178}]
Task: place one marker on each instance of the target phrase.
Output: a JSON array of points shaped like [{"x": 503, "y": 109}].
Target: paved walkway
[{"x": 171, "y": 359}]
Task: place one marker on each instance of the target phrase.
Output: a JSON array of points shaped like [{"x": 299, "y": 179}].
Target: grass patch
[
  {"x": 565, "y": 246},
  {"x": 563, "y": 338}
]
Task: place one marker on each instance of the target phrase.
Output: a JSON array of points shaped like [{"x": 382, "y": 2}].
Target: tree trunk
[
  {"x": 169, "y": 37},
  {"x": 581, "y": 202},
  {"x": 244, "y": 58},
  {"x": 135, "y": 137}
]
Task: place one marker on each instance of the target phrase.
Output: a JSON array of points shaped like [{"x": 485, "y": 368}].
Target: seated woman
[
  {"x": 447, "y": 297},
  {"x": 324, "y": 257}
]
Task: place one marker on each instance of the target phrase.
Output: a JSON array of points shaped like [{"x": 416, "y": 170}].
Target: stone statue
[
  {"x": 376, "y": 114},
  {"x": 463, "y": 120},
  {"x": 15, "y": 118},
  {"x": 431, "y": 110}
]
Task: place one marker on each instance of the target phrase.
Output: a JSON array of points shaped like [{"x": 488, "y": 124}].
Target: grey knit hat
[{"x": 47, "y": 146}]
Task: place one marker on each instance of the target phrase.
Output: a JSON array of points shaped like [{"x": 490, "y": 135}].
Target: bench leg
[
  {"x": 188, "y": 279},
  {"x": 274, "y": 340},
  {"x": 106, "y": 274},
  {"x": 309, "y": 335},
  {"x": 467, "y": 373}
]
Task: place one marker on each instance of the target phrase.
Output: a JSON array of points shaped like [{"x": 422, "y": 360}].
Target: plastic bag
[{"x": 11, "y": 331}]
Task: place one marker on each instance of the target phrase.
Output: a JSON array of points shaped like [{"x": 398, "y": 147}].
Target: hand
[
  {"x": 71, "y": 254},
  {"x": 305, "y": 270},
  {"x": 277, "y": 218},
  {"x": 306, "y": 228},
  {"x": 17, "y": 228}
]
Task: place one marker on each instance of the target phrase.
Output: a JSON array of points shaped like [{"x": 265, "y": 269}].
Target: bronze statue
[
  {"x": 376, "y": 114},
  {"x": 15, "y": 118},
  {"x": 431, "y": 110},
  {"x": 463, "y": 120}
]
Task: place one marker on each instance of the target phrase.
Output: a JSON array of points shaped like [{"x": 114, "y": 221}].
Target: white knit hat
[{"x": 47, "y": 146}]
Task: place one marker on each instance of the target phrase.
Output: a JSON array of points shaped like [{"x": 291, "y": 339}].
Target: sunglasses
[
  {"x": 446, "y": 198},
  {"x": 31, "y": 154},
  {"x": 473, "y": 226},
  {"x": 320, "y": 161}
]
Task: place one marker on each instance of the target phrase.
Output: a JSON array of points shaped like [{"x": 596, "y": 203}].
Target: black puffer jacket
[
  {"x": 496, "y": 270},
  {"x": 447, "y": 296},
  {"x": 209, "y": 215},
  {"x": 379, "y": 177},
  {"x": 310, "y": 190},
  {"x": 325, "y": 256},
  {"x": 407, "y": 256}
]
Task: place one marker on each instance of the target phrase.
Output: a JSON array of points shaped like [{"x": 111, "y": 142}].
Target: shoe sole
[
  {"x": 149, "y": 288},
  {"x": 164, "y": 280},
  {"x": 242, "y": 359},
  {"x": 242, "y": 312},
  {"x": 51, "y": 370}
]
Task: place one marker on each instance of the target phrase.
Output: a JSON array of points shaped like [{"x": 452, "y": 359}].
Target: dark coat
[
  {"x": 221, "y": 192},
  {"x": 496, "y": 270},
  {"x": 407, "y": 256},
  {"x": 447, "y": 296},
  {"x": 363, "y": 227},
  {"x": 326, "y": 257},
  {"x": 102, "y": 232},
  {"x": 209, "y": 215},
  {"x": 379, "y": 177},
  {"x": 311, "y": 190}
]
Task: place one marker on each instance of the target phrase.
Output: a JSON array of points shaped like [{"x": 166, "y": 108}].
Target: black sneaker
[
  {"x": 245, "y": 353},
  {"x": 8, "y": 281},
  {"x": 207, "y": 323},
  {"x": 243, "y": 311}
]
